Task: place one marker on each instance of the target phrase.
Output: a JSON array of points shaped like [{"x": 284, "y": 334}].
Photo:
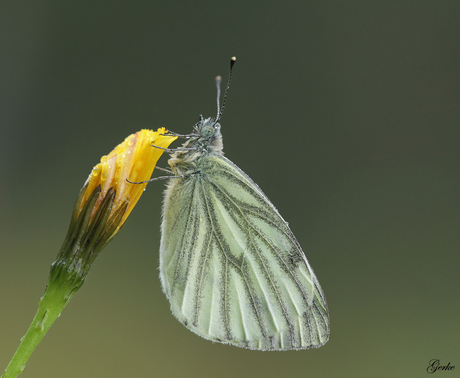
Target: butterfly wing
[{"x": 231, "y": 267}]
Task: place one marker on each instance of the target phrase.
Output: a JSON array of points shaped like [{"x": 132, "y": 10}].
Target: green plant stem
[
  {"x": 56, "y": 297},
  {"x": 85, "y": 239}
]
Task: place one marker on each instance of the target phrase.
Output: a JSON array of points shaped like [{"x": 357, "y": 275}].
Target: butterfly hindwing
[{"x": 231, "y": 267}]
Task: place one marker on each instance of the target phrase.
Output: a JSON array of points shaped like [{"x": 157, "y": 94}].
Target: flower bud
[{"x": 105, "y": 202}]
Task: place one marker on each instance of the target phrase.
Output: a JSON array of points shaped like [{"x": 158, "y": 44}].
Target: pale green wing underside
[{"x": 231, "y": 267}]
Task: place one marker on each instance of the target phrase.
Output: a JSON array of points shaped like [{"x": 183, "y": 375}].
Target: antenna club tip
[
  {"x": 218, "y": 78},
  {"x": 232, "y": 62}
]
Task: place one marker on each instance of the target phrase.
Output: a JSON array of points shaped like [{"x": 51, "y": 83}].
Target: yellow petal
[{"x": 134, "y": 159}]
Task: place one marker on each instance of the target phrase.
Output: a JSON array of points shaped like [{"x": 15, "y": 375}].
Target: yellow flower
[
  {"x": 102, "y": 207},
  {"x": 106, "y": 200},
  {"x": 132, "y": 160}
]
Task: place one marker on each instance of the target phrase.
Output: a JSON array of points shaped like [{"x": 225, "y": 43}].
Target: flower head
[
  {"x": 132, "y": 160},
  {"x": 106, "y": 200}
]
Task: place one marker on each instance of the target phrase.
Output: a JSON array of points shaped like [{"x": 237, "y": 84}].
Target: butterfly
[{"x": 230, "y": 266}]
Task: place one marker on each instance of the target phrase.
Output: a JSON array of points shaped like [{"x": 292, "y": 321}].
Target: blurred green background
[{"x": 345, "y": 113}]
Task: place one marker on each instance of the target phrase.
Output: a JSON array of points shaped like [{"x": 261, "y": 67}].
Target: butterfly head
[{"x": 208, "y": 136}]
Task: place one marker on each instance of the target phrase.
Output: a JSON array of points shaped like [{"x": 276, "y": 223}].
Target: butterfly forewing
[{"x": 231, "y": 267}]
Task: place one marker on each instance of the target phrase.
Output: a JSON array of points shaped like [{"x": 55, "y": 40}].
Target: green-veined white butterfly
[{"x": 230, "y": 266}]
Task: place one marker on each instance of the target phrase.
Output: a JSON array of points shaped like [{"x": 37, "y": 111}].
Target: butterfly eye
[{"x": 207, "y": 131}]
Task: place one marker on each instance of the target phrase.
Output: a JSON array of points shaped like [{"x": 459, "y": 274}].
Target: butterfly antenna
[
  {"x": 220, "y": 110},
  {"x": 218, "y": 81}
]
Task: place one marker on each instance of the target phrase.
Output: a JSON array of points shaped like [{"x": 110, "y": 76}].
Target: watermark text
[{"x": 435, "y": 365}]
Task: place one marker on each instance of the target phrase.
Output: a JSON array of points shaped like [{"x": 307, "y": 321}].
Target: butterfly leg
[
  {"x": 171, "y": 150},
  {"x": 180, "y": 175},
  {"x": 186, "y": 136},
  {"x": 167, "y": 170}
]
